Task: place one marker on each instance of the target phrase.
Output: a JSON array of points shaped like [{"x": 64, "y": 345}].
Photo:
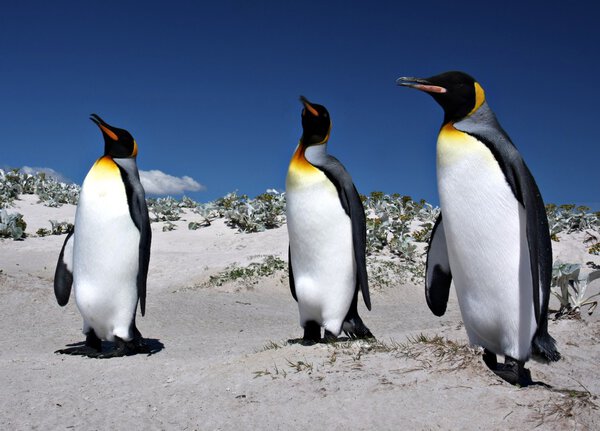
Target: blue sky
[{"x": 210, "y": 89}]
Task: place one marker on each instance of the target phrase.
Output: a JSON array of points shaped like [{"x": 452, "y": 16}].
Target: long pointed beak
[
  {"x": 104, "y": 126},
  {"x": 308, "y": 106},
  {"x": 420, "y": 84}
]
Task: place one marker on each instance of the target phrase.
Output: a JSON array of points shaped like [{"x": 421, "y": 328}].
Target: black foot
[
  {"x": 512, "y": 371},
  {"x": 355, "y": 329},
  {"x": 489, "y": 358},
  {"x": 329, "y": 337},
  {"x": 125, "y": 348},
  {"x": 312, "y": 333},
  {"x": 91, "y": 348}
]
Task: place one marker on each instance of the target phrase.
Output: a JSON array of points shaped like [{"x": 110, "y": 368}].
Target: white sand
[{"x": 214, "y": 372}]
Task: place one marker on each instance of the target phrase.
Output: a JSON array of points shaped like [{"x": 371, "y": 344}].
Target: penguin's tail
[{"x": 544, "y": 347}]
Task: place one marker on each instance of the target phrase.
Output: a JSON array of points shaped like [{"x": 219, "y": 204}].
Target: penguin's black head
[
  {"x": 117, "y": 142},
  {"x": 316, "y": 123},
  {"x": 458, "y": 93}
]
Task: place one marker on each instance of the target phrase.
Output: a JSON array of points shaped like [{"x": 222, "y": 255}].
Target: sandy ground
[{"x": 226, "y": 361}]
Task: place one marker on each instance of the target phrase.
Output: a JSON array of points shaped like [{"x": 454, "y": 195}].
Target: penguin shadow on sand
[{"x": 108, "y": 349}]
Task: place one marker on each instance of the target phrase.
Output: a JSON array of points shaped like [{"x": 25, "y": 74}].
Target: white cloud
[{"x": 156, "y": 182}]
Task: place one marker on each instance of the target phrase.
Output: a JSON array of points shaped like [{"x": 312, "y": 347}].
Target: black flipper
[
  {"x": 353, "y": 206},
  {"x": 63, "y": 276},
  {"x": 484, "y": 126},
  {"x": 291, "y": 275},
  {"x": 139, "y": 214},
  {"x": 438, "y": 275}
]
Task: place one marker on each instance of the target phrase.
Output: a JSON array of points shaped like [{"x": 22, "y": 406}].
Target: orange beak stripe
[
  {"x": 311, "y": 109},
  {"x": 109, "y": 132}
]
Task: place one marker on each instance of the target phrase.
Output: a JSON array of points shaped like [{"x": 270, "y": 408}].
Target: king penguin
[
  {"x": 492, "y": 235},
  {"x": 327, "y": 234},
  {"x": 105, "y": 258}
]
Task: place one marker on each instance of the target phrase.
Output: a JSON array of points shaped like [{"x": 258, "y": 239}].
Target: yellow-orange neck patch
[
  {"x": 299, "y": 162},
  {"x": 104, "y": 168},
  {"x": 479, "y": 97}
]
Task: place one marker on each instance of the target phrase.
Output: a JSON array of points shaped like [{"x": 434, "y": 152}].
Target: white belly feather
[
  {"x": 106, "y": 245},
  {"x": 487, "y": 247},
  {"x": 321, "y": 250}
]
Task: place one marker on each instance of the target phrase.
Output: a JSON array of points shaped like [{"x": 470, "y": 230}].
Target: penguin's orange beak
[
  {"x": 420, "y": 84},
  {"x": 308, "y": 106},
  {"x": 104, "y": 127}
]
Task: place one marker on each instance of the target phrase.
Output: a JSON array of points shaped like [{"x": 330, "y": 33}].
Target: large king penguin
[
  {"x": 492, "y": 235},
  {"x": 327, "y": 233},
  {"x": 105, "y": 258}
]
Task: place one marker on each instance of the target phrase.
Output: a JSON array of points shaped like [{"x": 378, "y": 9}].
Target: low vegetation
[{"x": 398, "y": 230}]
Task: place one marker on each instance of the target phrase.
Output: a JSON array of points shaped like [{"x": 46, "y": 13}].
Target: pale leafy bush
[
  {"x": 56, "y": 228},
  {"x": 51, "y": 192},
  {"x": 266, "y": 211},
  {"x": 168, "y": 226},
  {"x": 164, "y": 209},
  {"x": 569, "y": 219},
  {"x": 12, "y": 225},
  {"x": 208, "y": 211},
  {"x": 570, "y": 287},
  {"x": 249, "y": 274}
]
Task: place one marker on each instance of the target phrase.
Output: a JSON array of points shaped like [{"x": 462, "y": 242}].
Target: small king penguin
[
  {"x": 327, "y": 234},
  {"x": 105, "y": 258},
  {"x": 492, "y": 237}
]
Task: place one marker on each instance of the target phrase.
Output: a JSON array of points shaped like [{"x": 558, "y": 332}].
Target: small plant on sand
[
  {"x": 12, "y": 225},
  {"x": 384, "y": 273},
  {"x": 164, "y": 209},
  {"x": 168, "y": 226},
  {"x": 300, "y": 366},
  {"x": 592, "y": 241},
  {"x": 271, "y": 345},
  {"x": 570, "y": 405},
  {"x": 249, "y": 274},
  {"x": 274, "y": 374},
  {"x": 569, "y": 218},
  {"x": 570, "y": 287},
  {"x": 56, "y": 228}
]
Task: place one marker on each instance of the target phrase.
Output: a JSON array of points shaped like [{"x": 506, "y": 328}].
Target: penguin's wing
[
  {"x": 138, "y": 211},
  {"x": 63, "y": 276},
  {"x": 291, "y": 275},
  {"x": 353, "y": 206},
  {"x": 438, "y": 275},
  {"x": 484, "y": 126}
]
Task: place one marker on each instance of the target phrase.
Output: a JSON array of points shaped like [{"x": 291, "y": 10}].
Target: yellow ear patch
[
  {"x": 479, "y": 97},
  {"x": 135, "y": 149}
]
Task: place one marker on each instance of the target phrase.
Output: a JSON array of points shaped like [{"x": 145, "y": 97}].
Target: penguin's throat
[
  {"x": 310, "y": 140},
  {"x": 301, "y": 170}
]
